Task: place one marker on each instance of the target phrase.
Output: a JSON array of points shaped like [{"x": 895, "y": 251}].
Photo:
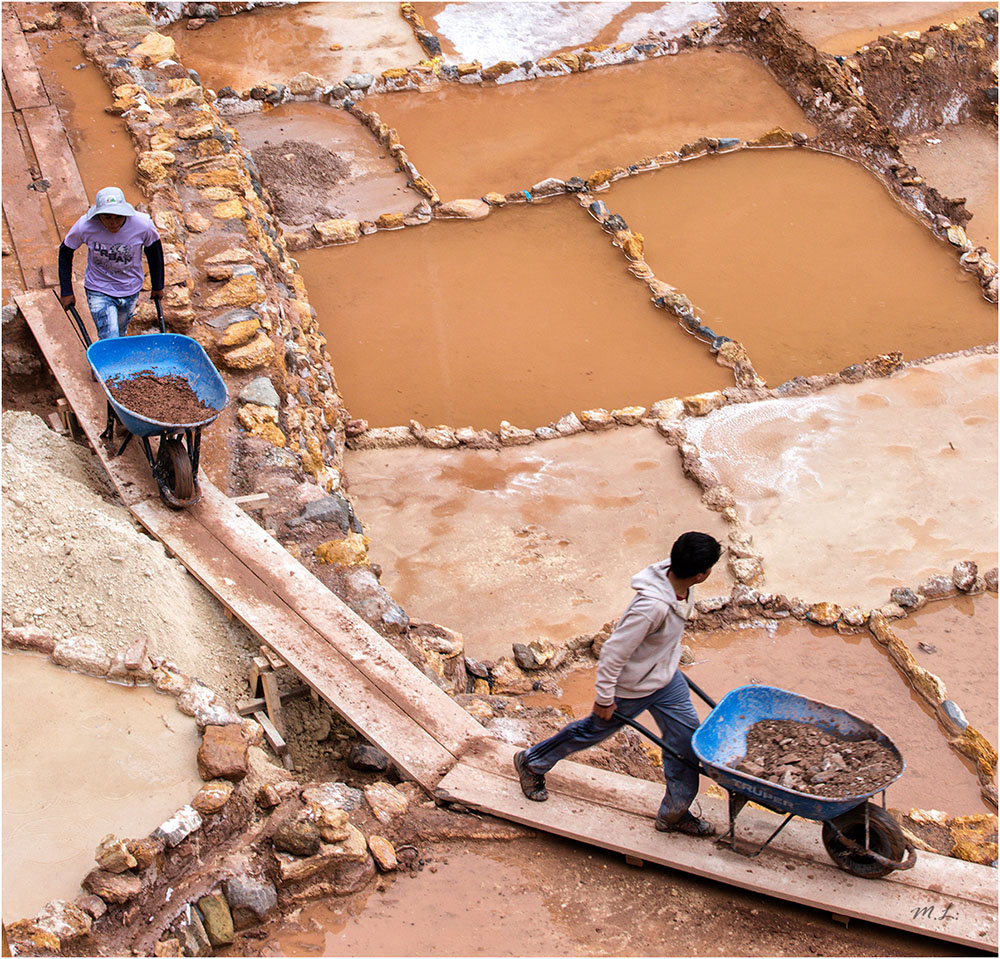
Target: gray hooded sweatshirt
[{"x": 642, "y": 654}]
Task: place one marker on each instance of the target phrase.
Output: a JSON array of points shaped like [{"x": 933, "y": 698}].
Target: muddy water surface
[
  {"x": 864, "y": 487},
  {"x": 842, "y": 27},
  {"x": 468, "y": 139},
  {"x": 82, "y": 758},
  {"x": 956, "y": 640},
  {"x": 530, "y": 542},
  {"x": 101, "y": 143},
  {"x": 276, "y": 44},
  {"x": 805, "y": 258},
  {"x": 523, "y": 316},
  {"x": 369, "y": 186}
]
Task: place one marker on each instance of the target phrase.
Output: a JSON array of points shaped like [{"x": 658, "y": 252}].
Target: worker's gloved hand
[
  {"x": 67, "y": 301},
  {"x": 604, "y": 712}
]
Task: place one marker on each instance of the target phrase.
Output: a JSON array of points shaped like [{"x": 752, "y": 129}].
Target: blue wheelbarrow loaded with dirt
[
  {"x": 159, "y": 385},
  {"x": 800, "y": 757}
]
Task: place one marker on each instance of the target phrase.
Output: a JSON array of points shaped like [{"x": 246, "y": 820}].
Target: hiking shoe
[
  {"x": 688, "y": 823},
  {"x": 532, "y": 784}
]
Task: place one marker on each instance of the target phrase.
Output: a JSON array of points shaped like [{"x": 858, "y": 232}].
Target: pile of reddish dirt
[
  {"x": 166, "y": 399},
  {"x": 299, "y": 175},
  {"x": 808, "y": 759}
]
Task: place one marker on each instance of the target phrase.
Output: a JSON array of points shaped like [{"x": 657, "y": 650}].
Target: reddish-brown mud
[
  {"x": 549, "y": 896},
  {"x": 956, "y": 639},
  {"x": 529, "y": 542},
  {"x": 164, "y": 398},
  {"x": 800, "y": 256},
  {"x": 573, "y": 125},
  {"x": 372, "y": 184},
  {"x": 840, "y": 28},
  {"x": 522, "y": 316},
  {"x": 328, "y": 40}
]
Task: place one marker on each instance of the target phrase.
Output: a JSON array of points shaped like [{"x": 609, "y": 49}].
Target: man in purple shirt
[{"x": 116, "y": 235}]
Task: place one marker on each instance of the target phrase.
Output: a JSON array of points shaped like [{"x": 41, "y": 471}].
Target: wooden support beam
[
  {"x": 250, "y": 499},
  {"x": 272, "y": 699},
  {"x": 273, "y": 658},
  {"x": 252, "y": 705},
  {"x": 274, "y": 738},
  {"x": 258, "y": 665}
]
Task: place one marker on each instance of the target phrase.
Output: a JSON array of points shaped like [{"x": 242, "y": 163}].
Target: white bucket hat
[{"x": 110, "y": 200}]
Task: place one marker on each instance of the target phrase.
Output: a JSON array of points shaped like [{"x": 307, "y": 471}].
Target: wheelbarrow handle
[
  {"x": 699, "y": 691},
  {"x": 649, "y": 734},
  {"x": 81, "y": 328},
  {"x": 159, "y": 314}
]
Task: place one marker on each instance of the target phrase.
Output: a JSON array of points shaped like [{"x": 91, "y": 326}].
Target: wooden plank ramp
[
  {"x": 19, "y": 70},
  {"x": 940, "y": 897},
  {"x": 439, "y": 745}
]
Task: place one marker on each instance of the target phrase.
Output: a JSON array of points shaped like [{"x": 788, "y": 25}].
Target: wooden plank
[
  {"x": 29, "y": 219},
  {"x": 275, "y": 739},
  {"x": 252, "y": 705},
  {"x": 67, "y": 195},
  {"x": 334, "y": 676},
  {"x": 63, "y": 351},
  {"x": 250, "y": 499},
  {"x": 8, "y": 107},
  {"x": 395, "y": 676},
  {"x": 934, "y": 901},
  {"x": 23, "y": 80},
  {"x": 272, "y": 700}
]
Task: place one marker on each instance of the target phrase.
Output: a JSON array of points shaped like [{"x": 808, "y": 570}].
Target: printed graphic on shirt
[{"x": 120, "y": 253}]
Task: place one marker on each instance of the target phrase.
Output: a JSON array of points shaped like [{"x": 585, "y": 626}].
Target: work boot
[
  {"x": 532, "y": 784},
  {"x": 688, "y": 823}
]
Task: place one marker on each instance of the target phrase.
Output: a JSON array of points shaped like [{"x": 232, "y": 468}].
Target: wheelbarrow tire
[
  {"x": 174, "y": 465},
  {"x": 884, "y": 837}
]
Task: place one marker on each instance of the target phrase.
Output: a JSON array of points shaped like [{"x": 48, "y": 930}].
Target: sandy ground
[
  {"x": 526, "y": 542},
  {"x": 864, "y": 487},
  {"x": 75, "y": 562}
]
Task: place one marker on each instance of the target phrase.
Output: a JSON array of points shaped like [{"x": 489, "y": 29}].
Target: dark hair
[{"x": 694, "y": 553}]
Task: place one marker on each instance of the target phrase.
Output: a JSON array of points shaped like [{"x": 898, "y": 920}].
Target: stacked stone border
[{"x": 294, "y": 841}]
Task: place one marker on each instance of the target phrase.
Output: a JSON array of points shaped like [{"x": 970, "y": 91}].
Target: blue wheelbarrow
[
  {"x": 861, "y": 837},
  {"x": 175, "y": 462}
]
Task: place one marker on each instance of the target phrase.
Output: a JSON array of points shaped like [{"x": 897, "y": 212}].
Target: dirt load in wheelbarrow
[
  {"x": 861, "y": 837},
  {"x": 158, "y": 359}
]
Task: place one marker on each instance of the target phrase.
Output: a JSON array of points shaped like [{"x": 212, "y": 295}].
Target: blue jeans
[
  {"x": 111, "y": 313},
  {"x": 674, "y": 715}
]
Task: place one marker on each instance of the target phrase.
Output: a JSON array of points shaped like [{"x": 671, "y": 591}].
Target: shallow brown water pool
[{"x": 523, "y": 316}]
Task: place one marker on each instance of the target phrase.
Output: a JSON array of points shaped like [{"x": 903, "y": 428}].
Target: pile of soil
[
  {"x": 299, "y": 175},
  {"x": 166, "y": 399},
  {"x": 808, "y": 759}
]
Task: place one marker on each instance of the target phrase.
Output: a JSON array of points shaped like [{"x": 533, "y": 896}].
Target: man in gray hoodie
[{"x": 637, "y": 671}]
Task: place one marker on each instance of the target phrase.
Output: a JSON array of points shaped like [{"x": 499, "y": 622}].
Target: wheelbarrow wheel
[
  {"x": 885, "y": 839},
  {"x": 173, "y": 467}
]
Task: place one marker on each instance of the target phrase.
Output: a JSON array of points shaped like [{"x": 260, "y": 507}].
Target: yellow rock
[
  {"x": 226, "y": 176},
  {"x": 826, "y": 614},
  {"x": 389, "y": 221},
  {"x": 25, "y": 931},
  {"x": 976, "y": 746},
  {"x": 301, "y": 314},
  {"x": 481, "y": 688},
  {"x": 352, "y": 550},
  {"x": 207, "y": 148},
  {"x": 163, "y": 140},
  {"x": 258, "y": 352},
  {"x": 217, "y": 193},
  {"x": 957, "y": 237},
  {"x": 702, "y": 403},
  {"x": 464, "y": 69},
  {"x": 395, "y": 73},
  {"x": 153, "y": 48},
  {"x": 239, "y": 291},
  {"x": 570, "y": 59},
  {"x": 153, "y": 164},
  {"x": 422, "y": 185},
  {"x": 338, "y": 231},
  {"x": 632, "y": 246},
  {"x": 229, "y": 210},
  {"x": 775, "y": 137},
  {"x": 598, "y": 178},
  {"x": 236, "y": 334},
  {"x": 272, "y": 433},
  {"x": 495, "y": 199},
  {"x": 199, "y": 130},
  {"x": 498, "y": 70}
]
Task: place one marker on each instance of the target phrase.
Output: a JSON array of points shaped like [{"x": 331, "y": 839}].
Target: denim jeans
[
  {"x": 674, "y": 715},
  {"x": 111, "y": 314}
]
